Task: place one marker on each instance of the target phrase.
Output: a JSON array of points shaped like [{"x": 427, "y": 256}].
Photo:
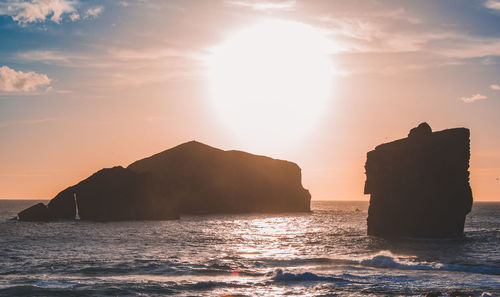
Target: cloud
[
  {"x": 12, "y": 80},
  {"x": 43, "y": 56},
  {"x": 131, "y": 54},
  {"x": 492, "y": 4},
  {"x": 93, "y": 12},
  {"x": 371, "y": 33},
  {"x": 495, "y": 87},
  {"x": 37, "y": 11},
  {"x": 401, "y": 31},
  {"x": 266, "y": 5},
  {"x": 74, "y": 16},
  {"x": 131, "y": 66},
  {"x": 473, "y": 98},
  {"x": 464, "y": 47}
]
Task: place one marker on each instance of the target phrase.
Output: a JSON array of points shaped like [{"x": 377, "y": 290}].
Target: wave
[
  {"x": 266, "y": 262},
  {"x": 91, "y": 290},
  {"x": 383, "y": 259},
  {"x": 387, "y": 260},
  {"x": 280, "y": 276},
  {"x": 116, "y": 288},
  {"x": 344, "y": 282},
  {"x": 376, "y": 284},
  {"x": 280, "y": 280}
]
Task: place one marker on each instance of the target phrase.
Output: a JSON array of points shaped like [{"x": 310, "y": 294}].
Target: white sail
[{"x": 77, "y": 215}]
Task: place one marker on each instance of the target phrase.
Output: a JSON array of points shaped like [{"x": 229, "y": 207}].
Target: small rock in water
[{"x": 37, "y": 212}]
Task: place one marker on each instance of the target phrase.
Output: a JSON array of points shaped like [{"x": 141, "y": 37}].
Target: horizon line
[{"x": 336, "y": 200}]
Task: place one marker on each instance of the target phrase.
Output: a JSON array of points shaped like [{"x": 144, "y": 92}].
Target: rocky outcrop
[
  {"x": 37, "y": 212},
  {"x": 114, "y": 194},
  {"x": 191, "y": 178},
  {"x": 63, "y": 205},
  {"x": 207, "y": 180},
  {"x": 419, "y": 185}
]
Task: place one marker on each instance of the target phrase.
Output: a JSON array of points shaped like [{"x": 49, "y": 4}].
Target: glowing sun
[{"x": 271, "y": 81}]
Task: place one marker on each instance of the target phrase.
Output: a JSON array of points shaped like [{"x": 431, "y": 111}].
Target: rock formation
[
  {"x": 419, "y": 185},
  {"x": 192, "y": 178},
  {"x": 114, "y": 194},
  {"x": 37, "y": 212},
  {"x": 208, "y": 180}
]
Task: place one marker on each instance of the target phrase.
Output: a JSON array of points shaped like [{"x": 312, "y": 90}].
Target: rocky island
[
  {"x": 419, "y": 185},
  {"x": 192, "y": 178}
]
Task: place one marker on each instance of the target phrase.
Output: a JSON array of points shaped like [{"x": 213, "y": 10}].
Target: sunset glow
[
  {"x": 249, "y": 148},
  {"x": 271, "y": 81},
  {"x": 88, "y": 84}
]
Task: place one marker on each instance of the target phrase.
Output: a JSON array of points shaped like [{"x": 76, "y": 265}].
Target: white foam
[
  {"x": 388, "y": 260},
  {"x": 280, "y": 276}
]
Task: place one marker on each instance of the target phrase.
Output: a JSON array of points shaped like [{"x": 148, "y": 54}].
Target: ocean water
[{"x": 322, "y": 253}]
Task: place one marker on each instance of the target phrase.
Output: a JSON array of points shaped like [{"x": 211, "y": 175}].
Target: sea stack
[
  {"x": 192, "y": 178},
  {"x": 419, "y": 185},
  {"x": 37, "y": 212}
]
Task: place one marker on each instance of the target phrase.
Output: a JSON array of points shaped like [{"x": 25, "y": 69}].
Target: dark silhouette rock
[
  {"x": 37, "y": 212},
  {"x": 63, "y": 205},
  {"x": 208, "y": 180},
  {"x": 115, "y": 194},
  {"x": 420, "y": 131},
  {"x": 419, "y": 185},
  {"x": 192, "y": 178}
]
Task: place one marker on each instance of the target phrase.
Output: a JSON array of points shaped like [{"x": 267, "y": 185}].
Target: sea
[{"x": 322, "y": 253}]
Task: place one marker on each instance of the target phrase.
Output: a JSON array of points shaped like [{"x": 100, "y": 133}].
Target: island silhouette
[
  {"x": 419, "y": 186},
  {"x": 191, "y": 178}
]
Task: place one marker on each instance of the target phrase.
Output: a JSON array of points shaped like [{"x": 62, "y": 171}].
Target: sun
[{"x": 271, "y": 82}]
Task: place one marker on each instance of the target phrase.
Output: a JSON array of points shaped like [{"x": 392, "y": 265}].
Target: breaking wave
[{"x": 387, "y": 260}]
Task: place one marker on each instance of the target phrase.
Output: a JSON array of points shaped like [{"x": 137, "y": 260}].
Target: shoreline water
[{"x": 322, "y": 253}]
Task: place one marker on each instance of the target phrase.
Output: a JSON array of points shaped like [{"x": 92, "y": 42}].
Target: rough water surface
[{"x": 322, "y": 253}]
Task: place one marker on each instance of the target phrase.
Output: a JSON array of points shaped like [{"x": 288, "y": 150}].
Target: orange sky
[{"x": 126, "y": 81}]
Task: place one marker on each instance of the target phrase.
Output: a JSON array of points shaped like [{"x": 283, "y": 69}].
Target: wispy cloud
[
  {"x": 43, "y": 56},
  {"x": 378, "y": 29},
  {"x": 372, "y": 35},
  {"x": 127, "y": 65},
  {"x": 130, "y": 54},
  {"x": 74, "y": 16},
  {"x": 495, "y": 87},
  {"x": 465, "y": 47},
  {"x": 369, "y": 36},
  {"x": 36, "y": 11},
  {"x": 12, "y": 80},
  {"x": 26, "y": 122},
  {"x": 93, "y": 12},
  {"x": 266, "y": 5},
  {"x": 473, "y": 98},
  {"x": 492, "y": 4}
]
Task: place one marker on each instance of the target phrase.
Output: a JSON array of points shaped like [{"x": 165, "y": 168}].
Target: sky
[{"x": 91, "y": 84}]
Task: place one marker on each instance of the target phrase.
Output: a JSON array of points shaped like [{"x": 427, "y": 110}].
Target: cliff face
[
  {"x": 191, "y": 178},
  {"x": 37, "y": 212},
  {"x": 208, "y": 180},
  {"x": 419, "y": 185},
  {"x": 114, "y": 194}
]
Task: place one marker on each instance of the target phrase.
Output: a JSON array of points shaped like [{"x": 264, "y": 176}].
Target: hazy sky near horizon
[{"x": 92, "y": 84}]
